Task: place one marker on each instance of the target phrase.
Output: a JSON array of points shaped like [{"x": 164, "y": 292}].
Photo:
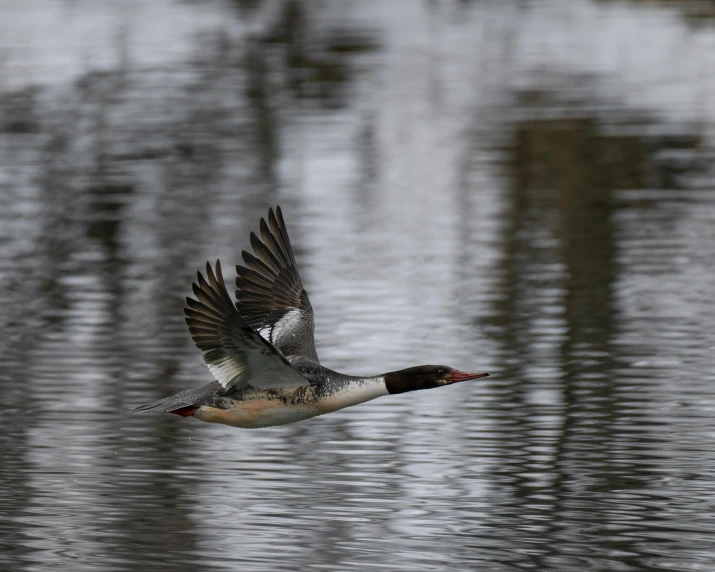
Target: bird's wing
[
  {"x": 270, "y": 295},
  {"x": 234, "y": 352}
]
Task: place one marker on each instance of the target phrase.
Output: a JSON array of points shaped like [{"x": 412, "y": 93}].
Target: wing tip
[{"x": 264, "y": 228}]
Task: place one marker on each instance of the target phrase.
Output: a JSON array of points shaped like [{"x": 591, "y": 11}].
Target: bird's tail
[{"x": 183, "y": 403}]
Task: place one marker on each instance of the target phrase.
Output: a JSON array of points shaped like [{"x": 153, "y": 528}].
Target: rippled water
[{"x": 522, "y": 188}]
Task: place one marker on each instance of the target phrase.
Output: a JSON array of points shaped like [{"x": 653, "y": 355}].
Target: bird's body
[
  {"x": 251, "y": 408},
  {"x": 262, "y": 351}
]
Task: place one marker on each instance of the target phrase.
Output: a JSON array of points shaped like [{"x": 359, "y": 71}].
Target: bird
[{"x": 261, "y": 350}]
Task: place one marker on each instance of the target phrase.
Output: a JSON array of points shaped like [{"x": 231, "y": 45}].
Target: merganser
[{"x": 261, "y": 351}]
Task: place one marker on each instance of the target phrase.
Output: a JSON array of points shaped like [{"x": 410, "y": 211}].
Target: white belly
[{"x": 257, "y": 413}]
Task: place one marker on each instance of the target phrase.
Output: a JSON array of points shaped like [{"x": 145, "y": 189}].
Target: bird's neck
[{"x": 345, "y": 391}]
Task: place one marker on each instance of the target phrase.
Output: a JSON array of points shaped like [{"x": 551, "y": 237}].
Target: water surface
[{"x": 521, "y": 188}]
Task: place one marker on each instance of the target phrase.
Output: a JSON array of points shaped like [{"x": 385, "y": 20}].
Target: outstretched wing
[
  {"x": 270, "y": 295},
  {"x": 234, "y": 352}
]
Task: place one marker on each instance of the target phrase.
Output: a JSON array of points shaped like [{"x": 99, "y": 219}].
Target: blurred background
[{"x": 520, "y": 187}]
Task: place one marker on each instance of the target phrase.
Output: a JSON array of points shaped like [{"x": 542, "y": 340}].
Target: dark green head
[{"x": 425, "y": 377}]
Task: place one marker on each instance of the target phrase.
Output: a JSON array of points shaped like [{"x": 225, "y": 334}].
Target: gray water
[{"x": 525, "y": 188}]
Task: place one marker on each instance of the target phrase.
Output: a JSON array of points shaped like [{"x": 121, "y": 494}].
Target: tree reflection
[{"x": 560, "y": 237}]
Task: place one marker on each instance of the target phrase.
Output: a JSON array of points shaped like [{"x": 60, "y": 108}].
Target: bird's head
[{"x": 426, "y": 377}]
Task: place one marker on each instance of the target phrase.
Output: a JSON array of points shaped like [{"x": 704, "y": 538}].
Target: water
[{"x": 521, "y": 188}]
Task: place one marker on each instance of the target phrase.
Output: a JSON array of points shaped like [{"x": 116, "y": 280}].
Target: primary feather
[
  {"x": 270, "y": 294},
  {"x": 235, "y": 353}
]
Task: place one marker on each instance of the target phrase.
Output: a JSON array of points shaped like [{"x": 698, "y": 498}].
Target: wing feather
[
  {"x": 270, "y": 294},
  {"x": 235, "y": 353}
]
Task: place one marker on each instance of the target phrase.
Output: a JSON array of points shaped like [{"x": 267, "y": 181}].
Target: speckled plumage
[{"x": 262, "y": 351}]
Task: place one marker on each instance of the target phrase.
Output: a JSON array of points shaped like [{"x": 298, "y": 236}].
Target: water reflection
[
  {"x": 575, "y": 431},
  {"x": 464, "y": 183}
]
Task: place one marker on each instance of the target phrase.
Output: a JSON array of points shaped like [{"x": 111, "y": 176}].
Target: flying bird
[{"x": 261, "y": 350}]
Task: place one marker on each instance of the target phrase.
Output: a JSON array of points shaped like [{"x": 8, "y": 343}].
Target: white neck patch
[{"x": 356, "y": 391}]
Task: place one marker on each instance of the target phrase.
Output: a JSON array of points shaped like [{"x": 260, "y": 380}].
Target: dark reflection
[
  {"x": 560, "y": 237},
  {"x": 19, "y": 115},
  {"x": 106, "y": 216},
  {"x": 317, "y": 63},
  {"x": 247, "y": 7},
  {"x": 258, "y": 94},
  {"x": 698, "y": 13}
]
